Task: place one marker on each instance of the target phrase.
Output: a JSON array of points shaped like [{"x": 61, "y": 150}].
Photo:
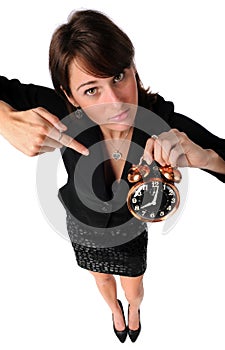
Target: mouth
[{"x": 120, "y": 117}]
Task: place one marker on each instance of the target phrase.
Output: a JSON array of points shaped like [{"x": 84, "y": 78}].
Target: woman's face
[{"x": 110, "y": 102}]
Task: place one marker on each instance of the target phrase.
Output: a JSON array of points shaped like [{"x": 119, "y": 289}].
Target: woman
[{"x": 93, "y": 73}]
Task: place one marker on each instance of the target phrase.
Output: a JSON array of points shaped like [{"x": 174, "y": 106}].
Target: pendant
[{"x": 116, "y": 155}]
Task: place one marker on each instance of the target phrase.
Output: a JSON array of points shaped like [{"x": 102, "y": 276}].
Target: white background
[{"x": 46, "y": 301}]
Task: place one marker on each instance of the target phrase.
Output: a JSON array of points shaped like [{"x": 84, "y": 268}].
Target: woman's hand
[
  {"x": 176, "y": 149},
  {"x": 35, "y": 131}
]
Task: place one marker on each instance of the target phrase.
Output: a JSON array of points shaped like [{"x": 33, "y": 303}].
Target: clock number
[
  {"x": 138, "y": 193},
  {"x": 152, "y": 215},
  {"x": 137, "y": 207},
  {"x": 161, "y": 213},
  {"x": 134, "y": 200},
  {"x": 140, "y": 190}
]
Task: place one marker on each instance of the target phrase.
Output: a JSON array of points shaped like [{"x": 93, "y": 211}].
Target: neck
[{"x": 115, "y": 134}]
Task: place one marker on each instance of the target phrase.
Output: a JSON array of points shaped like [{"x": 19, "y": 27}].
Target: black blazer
[{"x": 87, "y": 195}]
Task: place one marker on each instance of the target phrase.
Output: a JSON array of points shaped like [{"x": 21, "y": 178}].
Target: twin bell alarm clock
[{"x": 154, "y": 196}]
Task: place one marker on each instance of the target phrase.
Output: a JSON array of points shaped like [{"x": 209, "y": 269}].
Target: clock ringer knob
[
  {"x": 137, "y": 173},
  {"x": 171, "y": 174}
]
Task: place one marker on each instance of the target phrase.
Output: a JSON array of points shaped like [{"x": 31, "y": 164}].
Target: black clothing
[
  {"x": 127, "y": 259},
  {"x": 90, "y": 202}
]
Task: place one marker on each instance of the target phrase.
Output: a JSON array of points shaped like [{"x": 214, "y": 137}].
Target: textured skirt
[{"x": 126, "y": 259}]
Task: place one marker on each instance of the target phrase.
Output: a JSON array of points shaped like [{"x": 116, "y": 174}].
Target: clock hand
[
  {"x": 153, "y": 202},
  {"x": 147, "y": 205},
  {"x": 155, "y": 196}
]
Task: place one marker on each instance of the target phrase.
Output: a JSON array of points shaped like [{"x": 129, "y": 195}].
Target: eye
[
  {"x": 118, "y": 77},
  {"x": 90, "y": 92}
]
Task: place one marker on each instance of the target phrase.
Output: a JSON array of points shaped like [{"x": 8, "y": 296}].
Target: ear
[{"x": 69, "y": 98}]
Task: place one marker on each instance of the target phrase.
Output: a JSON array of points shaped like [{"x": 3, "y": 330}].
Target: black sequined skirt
[{"x": 127, "y": 257}]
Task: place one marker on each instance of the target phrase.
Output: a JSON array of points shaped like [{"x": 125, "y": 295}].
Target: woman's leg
[
  {"x": 134, "y": 292},
  {"x": 106, "y": 284}
]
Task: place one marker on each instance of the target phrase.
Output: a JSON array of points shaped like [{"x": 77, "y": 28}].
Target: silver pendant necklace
[{"x": 117, "y": 154}]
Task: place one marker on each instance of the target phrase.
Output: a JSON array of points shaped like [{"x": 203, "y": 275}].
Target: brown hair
[{"x": 102, "y": 47}]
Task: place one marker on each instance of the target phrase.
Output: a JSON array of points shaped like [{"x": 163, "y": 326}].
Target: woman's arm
[
  {"x": 31, "y": 132},
  {"x": 175, "y": 148},
  {"x": 212, "y": 144},
  {"x": 37, "y": 129},
  {"x": 188, "y": 144},
  {"x": 215, "y": 163},
  {"x": 28, "y": 96}
]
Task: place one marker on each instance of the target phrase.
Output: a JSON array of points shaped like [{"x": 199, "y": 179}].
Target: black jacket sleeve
[{"x": 27, "y": 96}]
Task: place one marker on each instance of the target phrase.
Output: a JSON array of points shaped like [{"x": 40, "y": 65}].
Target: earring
[{"x": 79, "y": 113}]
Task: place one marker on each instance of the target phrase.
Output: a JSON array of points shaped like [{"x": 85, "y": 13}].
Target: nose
[{"x": 112, "y": 96}]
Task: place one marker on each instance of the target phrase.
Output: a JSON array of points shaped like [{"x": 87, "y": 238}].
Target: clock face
[{"x": 153, "y": 200}]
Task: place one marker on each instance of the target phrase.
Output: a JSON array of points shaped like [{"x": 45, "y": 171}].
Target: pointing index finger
[{"x": 68, "y": 141}]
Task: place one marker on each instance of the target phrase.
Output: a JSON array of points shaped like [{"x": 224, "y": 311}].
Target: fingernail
[
  {"x": 63, "y": 127},
  {"x": 85, "y": 152}
]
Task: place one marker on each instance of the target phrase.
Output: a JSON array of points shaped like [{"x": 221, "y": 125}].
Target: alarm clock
[{"x": 154, "y": 196}]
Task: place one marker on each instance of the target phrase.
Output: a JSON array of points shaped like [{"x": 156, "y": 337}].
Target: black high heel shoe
[
  {"x": 133, "y": 334},
  {"x": 121, "y": 335}
]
